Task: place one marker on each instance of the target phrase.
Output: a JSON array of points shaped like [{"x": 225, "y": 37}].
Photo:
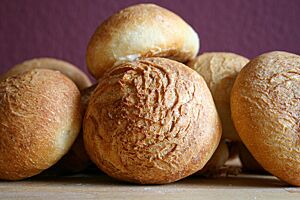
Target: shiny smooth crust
[
  {"x": 219, "y": 70},
  {"x": 39, "y": 121},
  {"x": 75, "y": 74},
  {"x": 143, "y": 30},
  {"x": 265, "y": 106},
  {"x": 151, "y": 121}
]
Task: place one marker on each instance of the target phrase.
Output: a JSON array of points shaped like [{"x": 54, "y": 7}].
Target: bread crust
[
  {"x": 265, "y": 104},
  {"x": 151, "y": 121},
  {"x": 143, "y": 30},
  {"x": 219, "y": 70},
  {"x": 39, "y": 121},
  {"x": 75, "y": 74}
]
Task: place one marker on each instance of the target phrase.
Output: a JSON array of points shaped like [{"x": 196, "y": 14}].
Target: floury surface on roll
[
  {"x": 72, "y": 72},
  {"x": 143, "y": 30},
  {"x": 219, "y": 70},
  {"x": 39, "y": 121},
  {"x": 265, "y": 104},
  {"x": 151, "y": 121}
]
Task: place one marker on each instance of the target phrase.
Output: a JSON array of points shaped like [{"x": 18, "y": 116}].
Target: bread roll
[
  {"x": 219, "y": 70},
  {"x": 40, "y": 119},
  {"x": 265, "y": 106},
  {"x": 75, "y": 74},
  {"x": 151, "y": 121},
  {"x": 143, "y": 30}
]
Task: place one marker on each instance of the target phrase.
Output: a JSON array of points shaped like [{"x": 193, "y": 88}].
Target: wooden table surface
[{"x": 104, "y": 187}]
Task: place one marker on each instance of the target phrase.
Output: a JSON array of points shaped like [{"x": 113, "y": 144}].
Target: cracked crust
[
  {"x": 151, "y": 121},
  {"x": 143, "y": 30},
  {"x": 39, "y": 121},
  {"x": 219, "y": 70},
  {"x": 265, "y": 104}
]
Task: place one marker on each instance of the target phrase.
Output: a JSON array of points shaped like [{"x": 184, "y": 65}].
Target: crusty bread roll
[
  {"x": 143, "y": 30},
  {"x": 151, "y": 121},
  {"x": 40, "y": 119},
  {"x": 75, "y": 74},
  {"x": 219, "y": 70},
  {"x": 265, "y": 105}
]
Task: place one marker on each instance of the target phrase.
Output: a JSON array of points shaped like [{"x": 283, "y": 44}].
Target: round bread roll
[
  {"x": 265, "y": 105},
  {"x": 40, "y": 119},
  {"x": 75, "y": 74},
  {"x": 151, "y": 121},
  {"x": 76, "y": 160},
  {"x": 219, "y": 70},
  {"x": 143, "y": 30}
]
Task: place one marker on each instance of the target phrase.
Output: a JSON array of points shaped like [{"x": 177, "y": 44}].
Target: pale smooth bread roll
[
  {"x": 265, "y": 105},
  {"x": 219, "y": 70},
  {"x": 151, "y": 121},
  {"x": 143, "y": 30},
  {"x": 40, "y": 119},
  {"x": 75, "y": 74}
]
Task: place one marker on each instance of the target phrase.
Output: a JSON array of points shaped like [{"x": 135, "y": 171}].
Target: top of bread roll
[
  {"x": 40, "y": 119},
  {"x": 219, "y": 70},
  {"x": 265, "y": 105},
  {"x": 143, "y": 30},
  {"x": 75, "y": 74}
]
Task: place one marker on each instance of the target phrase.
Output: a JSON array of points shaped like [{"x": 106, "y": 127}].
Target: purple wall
[{"x": 62, "y": 28}]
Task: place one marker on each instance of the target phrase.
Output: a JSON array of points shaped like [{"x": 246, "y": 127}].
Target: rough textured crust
[
  {"x": 143, "y": 30},
  {"x": 151, "y": 121},
  {"x": 39, "y": 121},
  {"x": 77, "y": 159},
  {"x": 265, "y": 106},
  {"x": 219, "y": 70},
  {"x": 75, "y": 74}
]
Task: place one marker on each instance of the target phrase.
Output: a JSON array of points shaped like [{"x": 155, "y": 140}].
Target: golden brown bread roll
[
  {"x": 265, "y": 104},
  {"x": 40, "y": 119},
  {"x": 151, "y": 121},
  {"x": 219, "y": 70},
  {"x": 75, "y": 74},
  {"x": 143, "y": 30}
]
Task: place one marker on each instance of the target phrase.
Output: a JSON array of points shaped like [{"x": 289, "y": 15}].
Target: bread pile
[{"x": 157, "y": 113}]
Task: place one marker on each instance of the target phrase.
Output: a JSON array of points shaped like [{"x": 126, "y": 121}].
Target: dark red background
[{"x": 62, "y": 28}]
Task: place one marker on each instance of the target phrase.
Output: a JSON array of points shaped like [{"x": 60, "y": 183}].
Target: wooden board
[{"x": 104, "y": 187}]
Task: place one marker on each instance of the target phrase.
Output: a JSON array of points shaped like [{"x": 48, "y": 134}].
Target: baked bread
[
  {"x": 75, "y": 74},
  {"x": 143, "y": 30},
  {"x": 219, "y": 70},
  {"x": 151, "y": 121},
  {"x": 40, "y": 119},
  {"x": 265, "y": 105}
]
